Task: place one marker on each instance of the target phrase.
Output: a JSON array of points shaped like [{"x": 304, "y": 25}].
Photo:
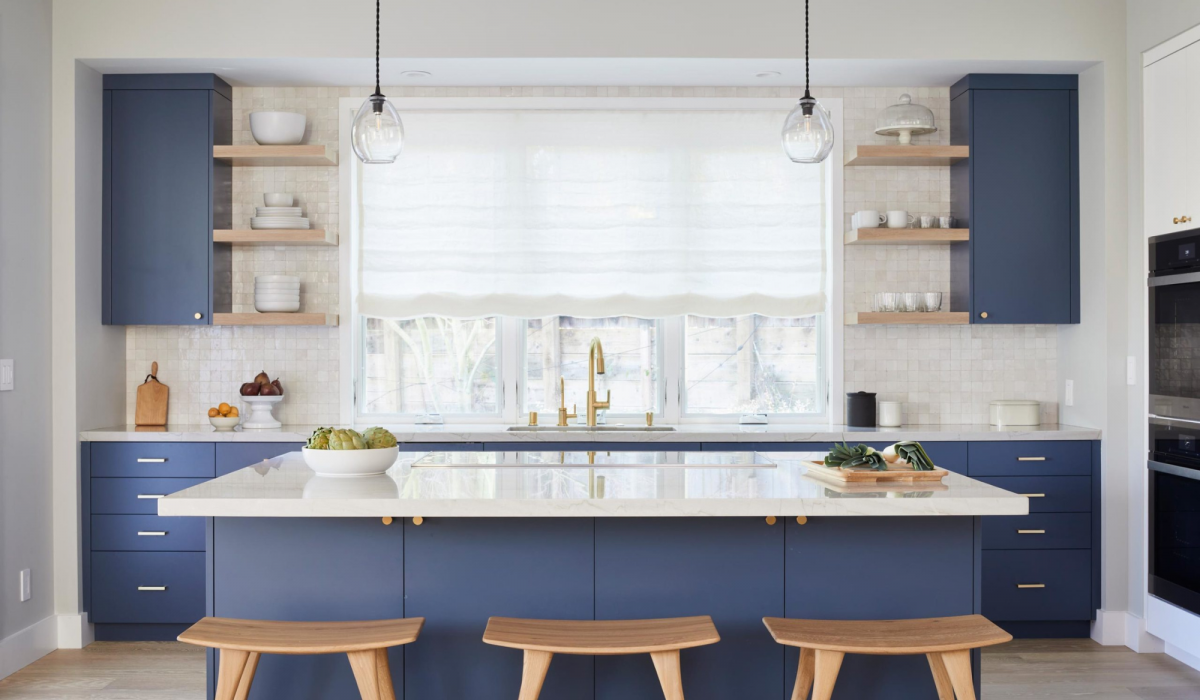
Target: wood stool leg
[
  {"x": 533, "y": 673},
  {"x": 666, "y": 663},
  {"x": 958, "y": 666},
  {"x": 804, "y": 675},
  {"x": 826, "y": 666},
  {"x": 229, "y": 672},
  {"x": 386, "y": 691},
  {"x": 243, "y": 689},
  {"x": 365, "y": 665},
  {"x": 941, "y": 678}
]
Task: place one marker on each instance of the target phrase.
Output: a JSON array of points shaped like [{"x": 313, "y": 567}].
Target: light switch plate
[
  {"x": 1069, "y": 393},
  {"x": 26, "y": 585},
  {"x": 6, "y": 375}
]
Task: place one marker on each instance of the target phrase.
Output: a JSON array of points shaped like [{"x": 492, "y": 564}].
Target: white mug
[
  {"x": 946, "y": 221},
  {"x": 868, "y": 218},
  {"x": 889, "y": 414},
  {"x": 899, "y": 219},
  {"x": 926, "y": 221}
]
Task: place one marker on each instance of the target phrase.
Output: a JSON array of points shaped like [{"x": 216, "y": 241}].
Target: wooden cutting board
[
  {"x": 894, "y": 473},
  {"x": 151, "y": 400}
]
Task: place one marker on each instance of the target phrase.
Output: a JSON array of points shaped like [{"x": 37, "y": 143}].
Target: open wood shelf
[
  {"x": 300, "y": 236},
  {"x": 315, "y": 154},
  {"x": 908, "y": 155},
  {"x": 907, "y": 236},
  {"x": 915, "y": 318},
  {"x": 277, "y": 319}
]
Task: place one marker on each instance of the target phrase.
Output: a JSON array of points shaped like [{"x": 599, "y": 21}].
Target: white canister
[
  {"x": 1005, "y": 414},
  {"x": 890, "y": 414}
]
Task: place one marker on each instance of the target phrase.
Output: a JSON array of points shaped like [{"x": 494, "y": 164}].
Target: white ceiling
[{"x": 584, "y": 71}]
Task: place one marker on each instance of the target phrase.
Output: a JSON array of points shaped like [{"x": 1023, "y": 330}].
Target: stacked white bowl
[
  {"x": 278, "y": 213},
  {"x": 276, "y": 293}
]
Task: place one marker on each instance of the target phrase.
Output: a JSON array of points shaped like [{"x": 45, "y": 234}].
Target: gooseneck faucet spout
[{"x": 595, "y": 366}]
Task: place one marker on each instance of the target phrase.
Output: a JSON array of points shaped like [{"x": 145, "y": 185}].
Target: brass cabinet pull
[
  {"x": 1031, "y": 532},
  {"x": 1032, "y": 495},
  {"x": 1031, "y": 459},
  {"x": 770, "y": 519},
  {"x": 150, "y": 496},
  {"x": 152, "y": 588},
  {"x": 1181, "y": 219},
  {"x": 1175, "y": 220},
  {"x": 417, "y": 520},
  {"x": 801, "y": 520},
  {"x": 151, "y": 460},
  {"x": 1031, "y": 585},
  {"x": 152, "y": 533},
  {"x": 199, "y": 315},
  {"x": 983, "y": 315}
]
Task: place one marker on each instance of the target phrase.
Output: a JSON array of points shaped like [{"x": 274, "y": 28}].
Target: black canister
[{"x": 860, "y": 409}]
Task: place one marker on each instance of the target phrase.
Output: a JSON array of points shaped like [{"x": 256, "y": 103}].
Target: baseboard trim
[
  {"x": 1138, "y": 639},
  {"x": 1109, "y": 628},
  {"x": 74, "y": 631},
  {"x": 30, "y": 644},
  {"x": 1180, "y": 655}
]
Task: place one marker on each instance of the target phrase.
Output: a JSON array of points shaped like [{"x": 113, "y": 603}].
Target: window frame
[{"x": 511, "y": 330}]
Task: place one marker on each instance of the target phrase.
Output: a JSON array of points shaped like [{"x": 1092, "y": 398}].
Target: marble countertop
[
  {"x": 556, "y": 484},
  {"x": 691, "y": 432}
]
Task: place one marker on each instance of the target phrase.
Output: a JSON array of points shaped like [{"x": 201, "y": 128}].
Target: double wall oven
[{"x": 1174, "y": 421}]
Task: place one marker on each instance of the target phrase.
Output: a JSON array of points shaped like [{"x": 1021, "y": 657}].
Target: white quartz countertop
[
  {"x": 540, "y": 484},
  {"x": 692, "y": 432}
]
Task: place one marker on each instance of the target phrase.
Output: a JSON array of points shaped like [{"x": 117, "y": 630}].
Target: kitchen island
[{"x": 737, "y": 536}]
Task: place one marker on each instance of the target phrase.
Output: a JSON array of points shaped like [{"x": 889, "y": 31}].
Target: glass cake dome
[{"x": 905, "y": 120}]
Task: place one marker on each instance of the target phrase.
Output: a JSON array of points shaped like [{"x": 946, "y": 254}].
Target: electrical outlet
[
  {"x": 26, "y": 586},
  {"x": 6, "y": 375},
  {"x": 1069, "y": 393}
]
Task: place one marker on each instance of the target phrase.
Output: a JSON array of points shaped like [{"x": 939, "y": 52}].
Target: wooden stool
[
  {"x": 242, "y": 641},
  {"x": 946, "y": 641},
  {"x": 542, "y": 639}
]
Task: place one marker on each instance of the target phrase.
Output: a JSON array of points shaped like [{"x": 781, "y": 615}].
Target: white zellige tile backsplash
[{"x": 943, "y": 374}]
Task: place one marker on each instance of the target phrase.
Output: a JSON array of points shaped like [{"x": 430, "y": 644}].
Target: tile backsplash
[{"x": 942, "y": 374}]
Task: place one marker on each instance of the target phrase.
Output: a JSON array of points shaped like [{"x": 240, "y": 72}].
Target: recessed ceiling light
[
  {"x": 767, "y": 74},
  {"x": 415, "y": 74}
]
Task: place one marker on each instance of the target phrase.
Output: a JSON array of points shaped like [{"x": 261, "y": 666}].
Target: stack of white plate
[
  {"x": 277, "y": 218},
  {"x": 276, "y": 293}
]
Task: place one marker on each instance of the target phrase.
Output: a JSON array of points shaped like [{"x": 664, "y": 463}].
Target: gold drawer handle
[
  {"x": 1031, "y": 532},
  {"x": 152, "y": 533},
  {"x": 152, "y": 496},
  {"x": 152, "y": 588},
  {"x": 151, "y": 460},
  {"x": 1032, "y": 495},
  {"x": 1031, "y": 585},
  {"x": 1031, "y": 459}
]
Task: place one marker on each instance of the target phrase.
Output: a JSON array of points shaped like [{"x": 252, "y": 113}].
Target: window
[{"x": 511, "y": 232}]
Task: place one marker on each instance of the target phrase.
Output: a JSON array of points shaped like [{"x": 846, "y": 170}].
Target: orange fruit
[
  {"x": 213, "y": 413},
  {"x": 233, "y": 412},
  {"x": 223, "y": 409}
]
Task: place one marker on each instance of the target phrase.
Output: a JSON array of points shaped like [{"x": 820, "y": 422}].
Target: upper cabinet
[
  {"x": 1172, "y": 143},
  {"x": 1019, "y": 194},
  {"x": 164, "y": 194}
]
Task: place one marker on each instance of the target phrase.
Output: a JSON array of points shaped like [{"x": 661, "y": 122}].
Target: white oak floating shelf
[
  {"x": 908, "y": 155},
  {"x": 916, "y": 318},
  {"x": 315, "y": 154},
  {"x": 257, "y": 319},
  {"x": 300, "y": 236},
  {"x": 907, "y": 236}
]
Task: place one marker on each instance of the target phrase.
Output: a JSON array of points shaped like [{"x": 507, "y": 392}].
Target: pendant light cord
[
  {"x": 806, "y": 48},
  {"x": 377, "y": 91}
]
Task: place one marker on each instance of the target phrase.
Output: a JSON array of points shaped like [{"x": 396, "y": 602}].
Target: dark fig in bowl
[
  {"x": 250, "y": 389},
  {"x": 278, "y": 386}
]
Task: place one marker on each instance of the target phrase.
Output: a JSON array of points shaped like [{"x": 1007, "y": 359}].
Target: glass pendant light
[
  {"x": 808, "y": 131},
  {"x": 377, "y": 134}
]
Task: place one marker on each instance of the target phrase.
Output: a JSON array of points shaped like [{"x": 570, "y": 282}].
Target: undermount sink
[{"x": 591, "y": 429}]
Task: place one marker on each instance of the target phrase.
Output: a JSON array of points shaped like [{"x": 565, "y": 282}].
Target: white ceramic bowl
[
  {"x": 278, "y": 199},
  {"x": 267, "y": 307},
  {"x": 277, "y": 128},
  {"x": 276, "y": 287},
  {"x": 277, "y": 296},
  {"x": 223, "y": 424},
  {"x": 351, "y": 462},
  {"x": 281, "y": 279}
]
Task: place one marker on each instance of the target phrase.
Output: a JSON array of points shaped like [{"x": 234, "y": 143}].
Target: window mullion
[
  {"x": 672, "y": 368},
  {"x": 512, "y": 353}
]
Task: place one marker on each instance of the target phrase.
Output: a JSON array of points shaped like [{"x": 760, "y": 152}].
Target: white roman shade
[{"x": 535, "y": 213}]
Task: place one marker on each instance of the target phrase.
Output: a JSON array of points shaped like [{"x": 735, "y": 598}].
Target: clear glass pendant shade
[
  {"x": 808, "y": 132},
  {"x": 377, "y": 135}
]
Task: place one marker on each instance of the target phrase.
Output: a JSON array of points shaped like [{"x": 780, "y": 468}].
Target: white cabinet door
[{"x": 1169, "y": 143}]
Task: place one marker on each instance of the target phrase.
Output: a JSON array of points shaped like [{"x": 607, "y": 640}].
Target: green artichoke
[
  {"x": 347, "y": 439},
  {"x": 377, "y": 438},
  {"x": 846, "y": 457},
  {"x": 319, "y": 440}
]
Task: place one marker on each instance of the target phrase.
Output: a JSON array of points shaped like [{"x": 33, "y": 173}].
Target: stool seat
[
  {"x": 601, "y": 636},
  {"x": 920, "y": 636},
  {"x": 275, "y": 637}
]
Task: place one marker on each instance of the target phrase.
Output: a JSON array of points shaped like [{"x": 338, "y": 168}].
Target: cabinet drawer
[
  {"x": 177, "y": 459},
  {"x": 1031, "y": 458},
  {"x": 146, "y": 533},
  {"x": 236, "y": 455},
  {"x": 1038, "y": 531},
  {"x": 147, "y": 587},
  {"x": 1049, "y": 494},
  {"x": 134, "y": 496},
  {"x": 1037, "y": 585}
]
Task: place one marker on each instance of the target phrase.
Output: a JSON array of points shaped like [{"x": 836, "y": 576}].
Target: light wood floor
[{"x": 1022, "y": 670}]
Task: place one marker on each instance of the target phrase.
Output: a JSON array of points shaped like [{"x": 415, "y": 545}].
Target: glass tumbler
[
  {"x": 913, "y": 302},
  {"x": 932, "y": 301},
  {"x": 886, "y": 302}
]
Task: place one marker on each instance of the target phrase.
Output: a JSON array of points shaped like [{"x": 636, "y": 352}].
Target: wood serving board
[{"x": 894, "y": 473}]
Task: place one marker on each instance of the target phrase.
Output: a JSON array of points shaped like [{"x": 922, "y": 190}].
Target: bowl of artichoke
[{"x": 347, "y": 452}]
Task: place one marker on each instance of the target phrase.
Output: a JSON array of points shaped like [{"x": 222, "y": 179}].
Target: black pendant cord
[
  {"x": 806, "y": 94},
  {"x": 377, "y": 90}
]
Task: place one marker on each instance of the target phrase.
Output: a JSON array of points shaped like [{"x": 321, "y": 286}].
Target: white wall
[{"x": 25, "y": 487}]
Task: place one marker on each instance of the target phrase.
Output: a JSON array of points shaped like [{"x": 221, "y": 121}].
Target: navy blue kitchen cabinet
[
  {"x": 1018, "y": 192},
  {"x": 163, "y": 194}
]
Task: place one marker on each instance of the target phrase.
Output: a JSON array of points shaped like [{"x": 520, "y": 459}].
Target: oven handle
[
  {"x": 1182, "y": 472},
  {"x": 1185, "y": 278}
]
